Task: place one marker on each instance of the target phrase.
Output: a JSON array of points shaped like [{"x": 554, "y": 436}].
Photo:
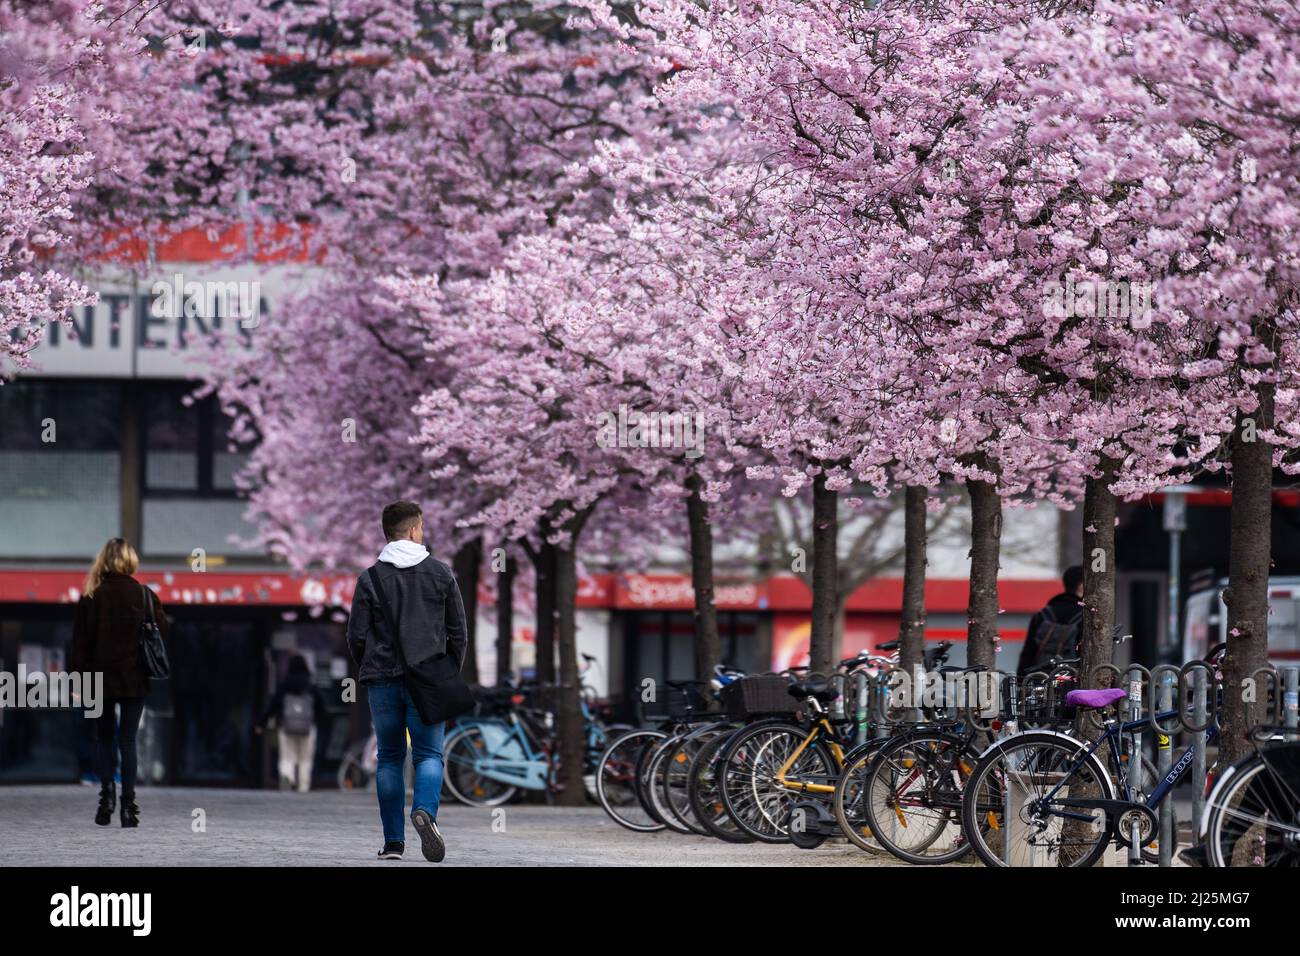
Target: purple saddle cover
[{"x": 1095, "y": 699}]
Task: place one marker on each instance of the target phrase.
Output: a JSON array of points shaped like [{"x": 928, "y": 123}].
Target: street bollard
[
  {"x": 1201, "y": 687},
  {"x": 1164, "y": 759},
  {"x": 838, "y": 705},
  {"x": 861, "y": 713},
  {"x": 1134, "y": 677},
  {"x": 1291, "y": 698}
]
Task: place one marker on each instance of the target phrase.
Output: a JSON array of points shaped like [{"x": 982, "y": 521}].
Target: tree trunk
[
  {"x": 1097, "y": 629},
  {"x": 986, "y": 540},
  {"x": 465, "y": 565},
  {"x": 1096, "y": 641},
  {"x": 825, "y": 600},
  {"x": 1249, "y": 559},
  {"x": 544, "y": 639},
  {"x": 708, "y": 645},
  {"x": 506, "y": 619},
  {"x": 911, "y": 627},
  {"x": 572, "y": 737}
]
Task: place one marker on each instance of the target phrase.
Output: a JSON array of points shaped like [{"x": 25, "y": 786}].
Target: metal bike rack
[
  {"x": 1167, "y": 677},
  {"x": 1291, "y": 697},
  {"x": 1203, "y": 707},
  {"x": 861, "y": 685},
  {"x": 1006, "y": 694},
  {"x": 852, "y": 699},
  {"x": 1281, "y": 697}
]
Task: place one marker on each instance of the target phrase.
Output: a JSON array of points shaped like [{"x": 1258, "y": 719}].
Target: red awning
[{"x": 609, "y": 591}]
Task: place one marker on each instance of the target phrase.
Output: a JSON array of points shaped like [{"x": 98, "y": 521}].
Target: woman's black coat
[{"x": 106, "y": 634}]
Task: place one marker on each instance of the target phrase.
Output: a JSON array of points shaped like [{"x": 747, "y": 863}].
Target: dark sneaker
[
  {"x": 430, "y": 839},
  {"x": 392, "y": 850},
  {"x": 130, "y": 814}
]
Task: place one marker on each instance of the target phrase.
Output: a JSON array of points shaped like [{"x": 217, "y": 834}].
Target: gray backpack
[{"x": 299, "y": 716}]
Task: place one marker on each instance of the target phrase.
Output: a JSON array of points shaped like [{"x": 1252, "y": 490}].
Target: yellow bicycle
[{"x": 777, "y": 776}]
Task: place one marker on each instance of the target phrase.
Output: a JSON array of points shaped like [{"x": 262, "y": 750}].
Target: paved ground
[{"x": 54, "y": 825}]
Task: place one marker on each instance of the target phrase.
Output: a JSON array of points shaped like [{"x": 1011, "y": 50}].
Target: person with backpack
[
  {"x": 407, "y": 634},
  {"x": 296, "y": 708},
  {"x": 1054, "y": 631}
]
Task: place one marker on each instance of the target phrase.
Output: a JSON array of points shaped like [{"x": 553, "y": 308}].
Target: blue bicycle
[
  {"x": 1045, "y": 798},
  {"x": 490, "y": 758}
]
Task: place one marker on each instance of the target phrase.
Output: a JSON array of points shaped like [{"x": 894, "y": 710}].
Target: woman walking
[{"x": 106, "y": 638}]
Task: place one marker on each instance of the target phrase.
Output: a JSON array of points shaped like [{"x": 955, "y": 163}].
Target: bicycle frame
[
  {"x": 821, "y": 727},
  {"x": 530, "y": 771},
  {"x": 1113, "y": 733}
]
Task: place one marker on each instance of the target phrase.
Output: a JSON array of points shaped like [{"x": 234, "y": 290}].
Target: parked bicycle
[
  {"x": 1051, "y": 798},
  {"x": 632, "y": 774},
  {"x": 512, "y": 745},
  {"x": 1252, "y": 816}
]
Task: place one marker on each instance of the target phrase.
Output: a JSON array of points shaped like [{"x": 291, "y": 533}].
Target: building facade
[{"x": 106, "y": 437}]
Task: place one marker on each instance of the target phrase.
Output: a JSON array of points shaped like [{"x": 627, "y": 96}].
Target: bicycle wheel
[
  {"x": 702, "y": 787},
  {"x": 1014, "y": 805},
  {"x": 653, "y": 784},
  {"x": 758, "y": 803},
  {"x": 616, "y": 780},
  {"x": 848, "y": 805},
  {"x": 599, "y": 737},
  {"x": 912, "y": 796},
  {"x": 676, "y": 774},
  {"x": 352, "y": 772},
  {"x": 1254, "y": 817},
  {"x": 463, "y": 749},
  {"x": 355, "y": 775}
]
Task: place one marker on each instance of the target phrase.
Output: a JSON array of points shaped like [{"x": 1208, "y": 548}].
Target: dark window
[
  {"x": 171, "y": 438},
  {"x": 78, "y": 416},
  {"x": 187, "y": 446},
  {"x": 60, "y": 467}
]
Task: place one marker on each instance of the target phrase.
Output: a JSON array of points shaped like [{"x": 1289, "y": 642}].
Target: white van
[{"x": 1205, "y": 623}]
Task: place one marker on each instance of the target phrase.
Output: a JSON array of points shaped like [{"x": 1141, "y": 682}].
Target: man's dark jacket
[
  {"x": 424, "y": 602},
  {"x": 1066, "y": 608},
  {"x": 106, "y": 634}
]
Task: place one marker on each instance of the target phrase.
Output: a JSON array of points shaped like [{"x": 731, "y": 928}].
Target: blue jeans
[{"x": 394, "y": 715}]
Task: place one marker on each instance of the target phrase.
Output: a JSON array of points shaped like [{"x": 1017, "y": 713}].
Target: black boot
[
  {"x": 130, "y": 812},
  {"x": 107, "y": 804}
]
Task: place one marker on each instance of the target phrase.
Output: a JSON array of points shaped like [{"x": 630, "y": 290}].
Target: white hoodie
[{"x": 403, "y": 553}]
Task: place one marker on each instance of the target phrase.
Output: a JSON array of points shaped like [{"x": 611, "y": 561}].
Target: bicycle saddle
[
  {"x": 818, "y": 687},
  {"x": 1095, "y": 699}
]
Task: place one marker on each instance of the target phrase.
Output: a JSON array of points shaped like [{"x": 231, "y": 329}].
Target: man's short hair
[
  {"x": 1072, "y": 577},
  {"x": 399, "y": 518}
]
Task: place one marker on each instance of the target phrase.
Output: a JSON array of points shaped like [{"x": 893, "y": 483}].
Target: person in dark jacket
[
  {"x": 296, "y": 707},
  {"x": 106, "y": 638},
  {"x": 423, "y": 601},
  {"x": 1061, "y": 613}
]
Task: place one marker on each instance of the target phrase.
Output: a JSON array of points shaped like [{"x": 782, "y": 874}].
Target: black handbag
[
  {"x": 435, "y": 685},
  {"x": 153, "y": 655}
]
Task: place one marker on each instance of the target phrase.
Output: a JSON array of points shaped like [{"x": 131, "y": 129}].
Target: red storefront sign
[{"x": 627, "y": 592}]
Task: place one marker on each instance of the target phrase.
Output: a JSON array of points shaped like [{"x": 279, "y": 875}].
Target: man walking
[
  {"x": 1054, "y": 631},
  {"x": 419, "y": 595}
]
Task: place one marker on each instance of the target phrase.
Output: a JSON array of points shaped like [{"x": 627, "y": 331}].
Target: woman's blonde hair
[{"x": 116, "y": 556}]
